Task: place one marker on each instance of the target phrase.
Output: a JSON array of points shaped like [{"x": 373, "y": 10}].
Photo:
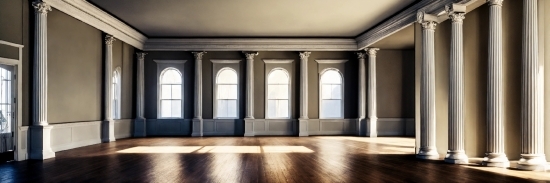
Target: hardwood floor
[{"x": 246, "y": 159}]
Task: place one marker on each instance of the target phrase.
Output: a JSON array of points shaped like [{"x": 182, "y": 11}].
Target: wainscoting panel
[
  {"x": 332, "y": 126},
  {"x": 168, "y": 127},
  {"x": 72, "y": 135},
  {"x": 23, "y": 136},
  {"x": 217, "y": 127},
  {"x": 123, "y": 128},
  {"x": 274, "y": 127},
  {"x": 395, "y": 126}
]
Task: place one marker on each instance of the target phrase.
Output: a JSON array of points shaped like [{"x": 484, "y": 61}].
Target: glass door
[{"x": 7, "y": 113}]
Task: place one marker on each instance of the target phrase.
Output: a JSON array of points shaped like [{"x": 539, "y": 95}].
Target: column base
[
  {"x": 40, "y": 142},
  {"x": 361, "y": 127},
  {"x": 303, "y": 130},
  {"x": 533, "y": 162},
  {"x": 456, "y": 157},
  {"x": 108, "y": 131},
  {"x": 429, "y": 153},
  {"x": 496, "y": 160},
  {"x": 249, "y": 127},
  {"x": 140, "y": 127},
  {"x": 197, "y": 127},
  {"x": 372, "y": 128}
]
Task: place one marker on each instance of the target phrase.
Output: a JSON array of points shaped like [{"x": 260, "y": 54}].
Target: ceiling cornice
[
  {"x": 95, "y": 17},
  {"x": 250, "y": 44}
]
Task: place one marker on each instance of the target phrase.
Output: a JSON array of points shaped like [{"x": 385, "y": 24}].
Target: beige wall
[
  {"x": 544, "y": 41},
  {"x": 395, "y": 86},
  {"x": 123, "y": 57}
]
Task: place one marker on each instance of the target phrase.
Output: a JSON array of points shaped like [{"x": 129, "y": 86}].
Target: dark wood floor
[{"x": 334, "y": 159}]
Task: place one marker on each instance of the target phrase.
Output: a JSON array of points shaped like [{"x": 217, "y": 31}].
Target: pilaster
[
  {"x": 197, "y": 122},
  {"x": 140, "y": 128},
  {"x": 303, "y": 120},
  {"x": 250, "y": 84},
  {"x": 361, "y": 128},
  {"x": 373, "y": 118},
  {"x": 107, "y": 125}
]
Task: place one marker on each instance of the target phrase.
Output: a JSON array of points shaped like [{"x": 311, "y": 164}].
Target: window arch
[
  {"x": 227, "y": 93},
  {"x": 116, "y": 92},
  {"x": 331, "y": 94},
  {"x": 278, "y": 94},
  {"x": 171, "y": 105}
]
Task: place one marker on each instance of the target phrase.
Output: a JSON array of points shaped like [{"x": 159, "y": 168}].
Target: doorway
[{"x": 7, "y": 114}]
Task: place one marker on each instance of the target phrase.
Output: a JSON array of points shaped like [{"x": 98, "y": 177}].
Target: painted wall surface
[
  {"x": 123, "y": 58},
  {"x": 14, "y": 21},
  {"x": 395, "y": 86},
  {"x": 475, "y": 79},
  {"x": 544, "y": 56},
  {"x": 75, "y": 70}
]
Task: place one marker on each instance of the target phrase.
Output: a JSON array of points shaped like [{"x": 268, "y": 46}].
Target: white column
[
  {"x": 140, "y": 122},
  {"x": 40, "y": 130},
  {"x": 303, "y": 120},
  {"x": 428, "y": 149},
  {"x": 455, "y": 153},
  {"x": 373, "y": 119},
  {"x": 362, "y": 94},
  {"x": 532, "y": 125},
  {"x": 107, "y": 127},
  {"x": 495, "y": 128},
  {"x": 250, "y": 84},
  {"x": 197, "y": 120}
]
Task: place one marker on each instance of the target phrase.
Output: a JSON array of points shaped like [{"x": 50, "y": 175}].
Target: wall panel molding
[
  {"x": 72, "y": 135},
  {"x": 123, "y": 128}
]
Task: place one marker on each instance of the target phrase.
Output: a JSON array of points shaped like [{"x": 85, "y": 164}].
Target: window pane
[
  {"x": 271, "y": 108},
  {"x": 171, "y": 76},
  {"x": 332, "y": 77},
  {"x": 176, "y": 91},
  {"x": 278, "y": 76},
  {"x": 277, "y": 92},
  {"x": 282, "y": 108},
  {"x": 336, "y": 92},
  {"x": 227, "y": 91},
  {"x": 227, "y": 76},
  {"x": 222, "y": 108},
  {"x": 175, "y": 108},
  {"x": 166, "y": 92},
  {"x": 232, "y": 108},
  {"x": 165, "y": 108},
  {"x": 331, "y": 109},
  {"x": 326, "y": 91}
]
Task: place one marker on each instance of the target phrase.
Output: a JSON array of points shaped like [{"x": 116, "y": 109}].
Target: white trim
[
  {"x": 331, "y": 61},
  {"x": 341, "y": 93},
  {"x": 170, "y": 61},
  {"x": 11, "y": 44},
  {"x": 95, "y": 17},
  {"x": 266, "y": 98},
  {"x": 215, "y": 93},
  {"x": 278, "y": 61},
  {"x": 159, "y": 92},
  {"x": 20, "y": 153},
  {"x": 250, "y": 44},
  {"x": 224, "y": 61}
]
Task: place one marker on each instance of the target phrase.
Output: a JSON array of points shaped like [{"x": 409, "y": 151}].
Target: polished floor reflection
[{"x": 251, "y": 159}]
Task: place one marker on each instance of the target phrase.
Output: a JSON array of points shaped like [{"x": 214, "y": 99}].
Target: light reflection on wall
[{"x": 216, "y": 149}]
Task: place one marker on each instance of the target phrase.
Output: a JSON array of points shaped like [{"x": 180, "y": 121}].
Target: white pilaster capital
[
  {"x": 41, "y": 7},
  {"x": 495, "y": 2},
  {"x": 198, "y": 55},
  {"x": 372, "y": 51},
  {"x": 141, "y": 55},
  {"x": 109, "y": 39},
  {"x": 250, "y": 55},
  {"x": 304, "y": 55},
  {"x": 361, "y": 55},
  {"x": 456, "y": 12},
  {"x": 428, "y": 21}
]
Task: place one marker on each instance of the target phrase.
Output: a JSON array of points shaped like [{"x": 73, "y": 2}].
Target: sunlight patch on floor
[
  {"x": 536, "y": 175},
  {"x": 216, "y": 149}
]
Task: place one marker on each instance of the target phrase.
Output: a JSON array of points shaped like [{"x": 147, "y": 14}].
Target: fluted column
[
  {"x": 250, "y": 84},
  {"x": 108, "y": 131},
  {"x": 361, "y": 130},
  {"x": 303, "y": 120},
  {"x": 455, "y": 153},
  {"x": 428, "y": 149},
  {"x": 495, "y": 128},
  {"x": 140, "y": 122},
  {"x": 373, "y": 119},
  {"x": 197, "y": 120},
  {"x": 532, "y": 125},
  {"x": 40, "y": 130}
]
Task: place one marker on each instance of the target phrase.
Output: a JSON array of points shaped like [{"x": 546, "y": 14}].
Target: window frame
[
  {"x": 117, "y": 93},
  {"x": 215, "y": 93},
  {"x": 289, "y": 93},
  {"x": 159, "y": 93},
  {"x": 341, "y": 93}
]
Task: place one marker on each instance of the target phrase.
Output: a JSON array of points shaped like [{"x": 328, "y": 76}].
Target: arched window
[
  {"x": 278, "y": 94},
  {"x": 170, "y": 93},
  {"x": 116, "y": 94},
  {"x": 331, "y": 94},
  {"x": 226, "y": 93}
]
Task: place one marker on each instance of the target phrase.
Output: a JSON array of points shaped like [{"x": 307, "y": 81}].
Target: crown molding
[
  {"x": 331, "y": 61},
  {"x": 404, "y": 19},
  {"x": 224, "y": 61},
  {"x": 278, "y": 61},
  {"x": 95, "y": 17},
  {"x": 170, "y": 61},
  {"x": 250, "y": 44}
]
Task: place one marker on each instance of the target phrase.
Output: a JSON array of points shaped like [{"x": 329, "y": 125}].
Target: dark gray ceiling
[{"x": 252, "y": 18}]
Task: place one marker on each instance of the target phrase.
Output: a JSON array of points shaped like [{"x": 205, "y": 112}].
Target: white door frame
[{"x": 20, "y": 131}]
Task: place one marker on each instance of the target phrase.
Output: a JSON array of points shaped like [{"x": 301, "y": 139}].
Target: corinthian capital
[
  {"x": 372, "y": 51},
  {"x": 304, "y": 54},
  {"x": 141, "y": 55},
  {"x": 250, "y": 55},
  {"x": 495, "y": 2},
  {"x": 456, "y": 12},
  {"x": 109, "y": 39},
  {"x": 198, "y": 55},
  {"x": 428, "y": 21},
  {"x": 41, "y": 7},
  {"x": 360, "y": 55}
]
